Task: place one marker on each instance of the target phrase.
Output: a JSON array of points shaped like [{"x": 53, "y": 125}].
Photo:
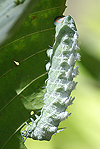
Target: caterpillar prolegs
[{"x": 63, "y": 56}]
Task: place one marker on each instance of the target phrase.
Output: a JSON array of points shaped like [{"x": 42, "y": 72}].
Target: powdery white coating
[
  {"x": 48, "y": 66},
  {"x": 60, "y": 84},
  {"x": 49, "y": 52}
]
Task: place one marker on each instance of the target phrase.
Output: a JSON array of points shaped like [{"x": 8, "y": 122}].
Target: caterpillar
[{"x": 59, "y": 85}]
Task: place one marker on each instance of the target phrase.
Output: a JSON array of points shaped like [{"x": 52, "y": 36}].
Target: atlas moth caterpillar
[{"x": 59, "y": 85}]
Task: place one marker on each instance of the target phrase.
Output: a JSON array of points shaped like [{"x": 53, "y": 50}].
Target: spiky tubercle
[{"x": 60, "y": 84}]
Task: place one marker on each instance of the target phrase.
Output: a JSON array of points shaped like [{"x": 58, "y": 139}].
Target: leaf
[
  {"x": 22, "y": 71},
  {"x": 12, "y": 15}
]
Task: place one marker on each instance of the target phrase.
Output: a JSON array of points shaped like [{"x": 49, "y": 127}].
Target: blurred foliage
[{"x": 12, "y": 15}]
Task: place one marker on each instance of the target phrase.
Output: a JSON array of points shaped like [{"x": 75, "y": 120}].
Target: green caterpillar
[{"x": 63, "y": 56}]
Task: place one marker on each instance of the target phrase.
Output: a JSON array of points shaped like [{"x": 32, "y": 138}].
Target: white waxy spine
[{"x": 60, "y": 84}]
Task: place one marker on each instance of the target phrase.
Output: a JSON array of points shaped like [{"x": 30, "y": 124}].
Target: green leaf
[
  {"x": 22, "y": 71},
  {"x": 12, "y": 14}
]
